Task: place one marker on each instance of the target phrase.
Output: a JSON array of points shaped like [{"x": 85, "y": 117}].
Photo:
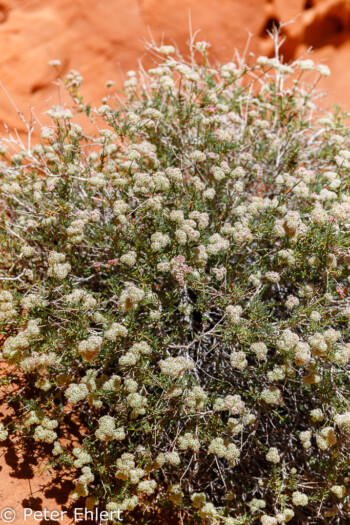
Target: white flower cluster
[
  {"x": 114, "y": 331},
  {"x": 305, "y": 438},
  {"x": 339, "y": 490},
  {"x": 90, "y": 348},
  {"x": 292, "y": 302},
  {"x": 272, "y": 396},
  {"x": 57, "y": 449},
  {"x": 238, "y": 360},
  {"x": 76, "y": 392},
  {"x": 138, "y": 404},
  {"x": 107, "y": 430},
  {"x": 14, "y": 345},
  {"x": 197, "y": 398},
  {"x": 159, "y": 241},
  {"x": 268, "y": 520},
  {"x": 57, "y": 266},
  {"x": 234, "y": 313},
  {"x": 343, "y": 421},
  {"x": 260, "y": 350},
  {"x": 257, "y": 504},
  {"x": 326, "y": 438},
  {"x": 82, "y": 457},
  {"x": 129, "y": 258},
  {"x": 218, "y": 447},
  {"x": 188, "y": 441},
  {"x": 7, "y": 309},
  {"x": 130, "y": 297},
  {"x": 316, "y": 415},
  {"x": 172, "y": 458},
  {"x": 45, "y": 431},
  {"x": 132, "y": 356},
  {"x": 38, "y": 361},
  {"x": 81, "y": 297},
  {"x": 175, "y": 366},
  {"x": 273, "y": 455},
  {"x": 3, "y": 432},
  {"x": 299, "y": 498}
]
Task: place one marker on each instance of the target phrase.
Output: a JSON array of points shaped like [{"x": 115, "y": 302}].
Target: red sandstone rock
[{"x": 105, "y": 38}]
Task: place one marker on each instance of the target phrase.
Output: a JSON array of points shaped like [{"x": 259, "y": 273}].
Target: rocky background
[{"x": 103, "y": 39}]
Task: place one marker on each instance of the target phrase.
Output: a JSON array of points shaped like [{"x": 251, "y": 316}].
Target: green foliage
[{"x": 177, "y": 286}]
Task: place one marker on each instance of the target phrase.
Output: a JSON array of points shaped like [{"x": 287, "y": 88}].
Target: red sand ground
[
  {"x": 102, "y": 39},
  {"x": 25, "y": 481}
]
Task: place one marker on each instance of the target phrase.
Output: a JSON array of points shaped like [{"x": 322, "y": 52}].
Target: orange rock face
[{"x": 104, "y": 39}]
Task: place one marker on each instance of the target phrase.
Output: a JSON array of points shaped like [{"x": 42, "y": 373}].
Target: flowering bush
[{"x": 179, "y": 285}]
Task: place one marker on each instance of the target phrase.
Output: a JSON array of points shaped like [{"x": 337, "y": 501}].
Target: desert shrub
[{"x": 177, "y": 285}]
